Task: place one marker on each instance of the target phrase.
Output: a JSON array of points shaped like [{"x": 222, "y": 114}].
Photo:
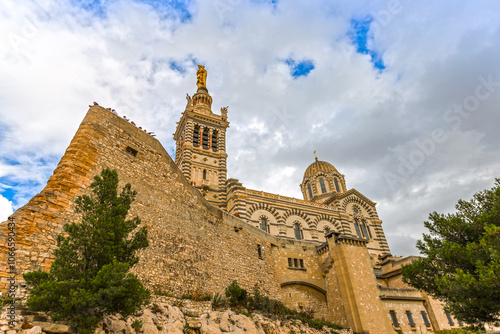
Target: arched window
[
  {"x": 196, "y": 136},
  {"x": 337, "y": 185},
  {"x": 327, "y": 230},
  {"x": 358, "y": 231},
  {"x": 310, "y": 191},
  {"x": 204, "y": 174},
  {"x": 322, "y": 184},
  {"x": 298, "y": 231},
  {"x": 366, "y": 231},
  {"x": 205, "y": 139},
  {"x": 214, "y": 141},
  {"x": 263, "y": 224}
]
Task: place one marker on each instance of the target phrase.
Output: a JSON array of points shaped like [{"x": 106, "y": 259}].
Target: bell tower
[{"x": 201, "y": 143}]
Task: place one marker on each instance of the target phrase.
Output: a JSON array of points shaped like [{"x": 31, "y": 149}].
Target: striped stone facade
[{"x": 201, "y": 147}]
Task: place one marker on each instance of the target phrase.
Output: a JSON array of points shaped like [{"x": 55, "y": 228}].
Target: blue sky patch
[
  {"x": 272, "y": 3},
  {"x": 171, "y": 8},
  {"x": 175, "y": 66},
  {"x": 299, "y": 68},
  {"x": 95, "y": 6},
  {"x": 359, "y": 34},
  {"x": 7, "y": 192}
]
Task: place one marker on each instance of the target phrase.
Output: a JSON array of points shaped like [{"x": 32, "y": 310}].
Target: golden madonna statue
[{"x": 201, "y": 76}]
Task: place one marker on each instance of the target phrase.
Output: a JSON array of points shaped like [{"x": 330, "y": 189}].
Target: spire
[{"x": 315, "y": 157}]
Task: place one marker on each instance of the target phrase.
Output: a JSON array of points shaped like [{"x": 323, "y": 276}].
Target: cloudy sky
[{"x": 402, "y": 97}]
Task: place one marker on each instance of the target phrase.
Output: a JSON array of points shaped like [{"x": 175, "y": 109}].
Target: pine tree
[
  {"x": 89, "y": 277},
  {"x": 461, "y": 266}
]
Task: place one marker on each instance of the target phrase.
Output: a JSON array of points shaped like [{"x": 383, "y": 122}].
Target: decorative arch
[
  {"x": 265, "y": 207},
  {"x": 311, "y": 285},
  {"x": 295, "y": 212},
  {"x": 359, "y": 202},
  {"x": 328, "y": 219}
]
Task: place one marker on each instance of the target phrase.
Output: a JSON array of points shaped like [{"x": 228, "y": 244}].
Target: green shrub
[
  {"x": 236, "y": 295},
  {"x": 271, "y": 307},
  {"x": 137, "y": 325},
  {"x": 243, "y": 312},
  {"x": 460, "y": 331},
  {"x": 5, "y": 300},
  {"x": 217, "y": 300}
]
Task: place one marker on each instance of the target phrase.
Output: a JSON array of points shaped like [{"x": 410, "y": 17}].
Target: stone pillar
[{"x": 357, "y": 283}]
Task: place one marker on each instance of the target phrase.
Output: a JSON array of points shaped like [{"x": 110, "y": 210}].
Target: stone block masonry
[{"x": 193, "y": 245}]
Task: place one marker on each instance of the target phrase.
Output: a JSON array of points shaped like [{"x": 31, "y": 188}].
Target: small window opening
[
  {"x": 296, "y": 263},
  {"x": 337, "y": 185},
  {"x": 410, "y": 319},
  {"x": 214, "y": 141},
  {"x": 298, "y": 232},
  {"x": 259, "y": 250},
  {"x": 364, "y": 230},
  {"x": 204, "y": 174},
  {"x": 322, "y": 185},
  {"x": 196, "y": 137},
  {"x": 394, "y": 318},
  {"x": 426, "y": 320},
  {"x": 309, "y": 189},
  {"x": 205, "y": 139},
  {"x": 263, "y": 224},
  {"x": 358, "y": 231},
  {"x": 131, "y": 151},
  {"x": 450, "y": 320}
]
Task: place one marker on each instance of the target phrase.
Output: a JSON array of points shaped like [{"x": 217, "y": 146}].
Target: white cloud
[
  {"x": 56, "y": 59},
  {"x": 5, "y": 208}
]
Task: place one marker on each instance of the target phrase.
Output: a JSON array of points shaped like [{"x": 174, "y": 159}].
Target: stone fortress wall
[{"x": 195, "y": 246}]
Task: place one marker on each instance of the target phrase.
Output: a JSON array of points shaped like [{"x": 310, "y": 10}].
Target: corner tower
[{"x": 201, "y": 143}]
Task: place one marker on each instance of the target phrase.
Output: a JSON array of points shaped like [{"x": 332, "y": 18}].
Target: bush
[
  {"x": 217, "y": 300},
  {"x": 236, "y": 295},
  {"x": 198, "y": 297},
  {"x": 90, "y": 277},
  {"x": 461, "y": 331},
  {"x": 137, "y": 325},
  {"x": 271, "y": 307}
]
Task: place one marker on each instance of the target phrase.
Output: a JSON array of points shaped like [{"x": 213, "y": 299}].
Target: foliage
[
  {"x": 308, "y": 312},
  {"x": 4, "y": 300},
  {"x": 217, "y": 300},
  {"x": 271, "y": 307},
  {"x": 137, "y": 325},
  {"x": 460, "y": 331},
  {"x": 462, "y": 258},
  {"x": 89, "y": 277},
  {"x": 235, "y": 294},
  {"x": 243, "y": 312},
  {"x": 198, "y": 296}
]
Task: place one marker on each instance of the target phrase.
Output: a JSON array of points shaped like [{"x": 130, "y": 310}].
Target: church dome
[{"x": 318, "y": 166}]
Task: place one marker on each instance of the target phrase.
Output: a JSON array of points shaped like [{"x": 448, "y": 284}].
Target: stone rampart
[{"x": 193, "y": 245}]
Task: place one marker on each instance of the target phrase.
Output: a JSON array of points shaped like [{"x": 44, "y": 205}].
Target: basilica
[
  {"x": 328, "y": 206},
  {"x": 326, "y": 253}
]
